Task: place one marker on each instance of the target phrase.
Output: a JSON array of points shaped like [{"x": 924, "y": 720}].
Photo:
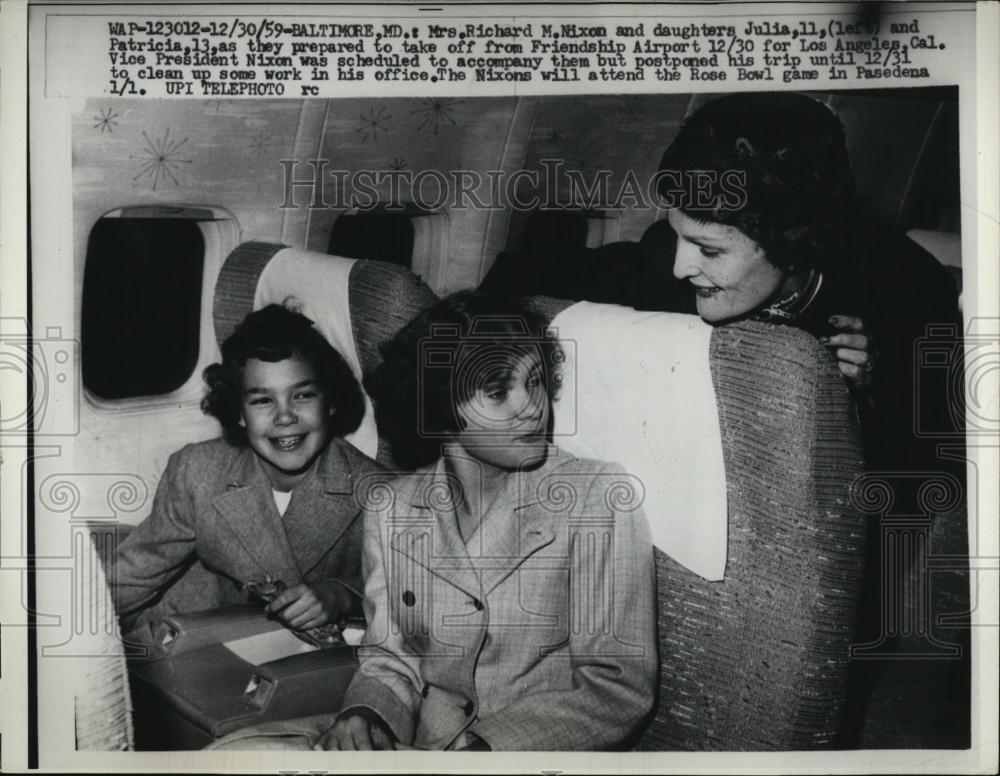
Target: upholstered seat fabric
[{"x": 759, "y": 661}]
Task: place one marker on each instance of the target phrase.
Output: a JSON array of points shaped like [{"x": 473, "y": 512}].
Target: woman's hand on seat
[
  {"x": 854, "y": 349},
  {"x": 303, "y": 607},
  {"x": 357, "y": 730}
]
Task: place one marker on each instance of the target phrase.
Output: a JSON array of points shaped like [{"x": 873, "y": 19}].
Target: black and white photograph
[{"x": 412, "y": 386}]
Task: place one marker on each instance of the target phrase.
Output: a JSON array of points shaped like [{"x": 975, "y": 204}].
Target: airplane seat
[
  {"x": 759, "y": 660},
  {"x": 99, "y": 682},
  {"x": 358, "y": 304}
]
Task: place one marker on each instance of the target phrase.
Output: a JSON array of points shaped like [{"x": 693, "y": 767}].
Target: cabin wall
[
  {"x": 169, "y": 153},
  {"x": 425, "y": 138}
]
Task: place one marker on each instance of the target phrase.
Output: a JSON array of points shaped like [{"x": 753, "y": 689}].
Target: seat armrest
[
  {"x": 301, "y": 685},
  {"x": 181, "y": 633},
  {"x": 207, "y": 693}
]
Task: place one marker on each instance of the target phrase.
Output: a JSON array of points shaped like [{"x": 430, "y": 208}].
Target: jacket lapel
[
  {"x": 428, "y": 535},
  {"x": 249, "y": 517},
  {"x": 516, "y": 527},
  {"x": 322, "y": 508}
]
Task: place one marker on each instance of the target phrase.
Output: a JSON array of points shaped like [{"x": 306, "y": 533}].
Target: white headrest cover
[
  {"x": 637, "y": 390},
  {"x": 316, "y": 285}
]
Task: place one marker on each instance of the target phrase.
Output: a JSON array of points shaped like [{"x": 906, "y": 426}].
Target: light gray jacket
[
  {"x": 539, "y": 633},
  {"x": 214, "y": 526}
]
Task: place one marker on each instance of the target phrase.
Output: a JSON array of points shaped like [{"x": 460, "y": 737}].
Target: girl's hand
[
  {"x": 357, "y": 730},
  {"x": 854, "y": 349},
  {"x": 304, "y": 607}
]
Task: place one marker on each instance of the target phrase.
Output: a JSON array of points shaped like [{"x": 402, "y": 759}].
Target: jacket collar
[
  {"x": 520, "y": 522},
  {"x": 331, "y": 474},
  {"x": 289, "y": 547},
  {"x": 524, "y": 488},
  {"x": 795, "y": 304}
]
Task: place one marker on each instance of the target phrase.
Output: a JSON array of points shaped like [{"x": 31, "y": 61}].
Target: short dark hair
[
  {"x": 788, "y": 153},
  {"x": 441, "y": 358},
  {"x": 275, "y": 333}
]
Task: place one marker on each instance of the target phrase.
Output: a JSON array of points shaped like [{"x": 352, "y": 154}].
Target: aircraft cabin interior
[{"x": 190, "y": 213}]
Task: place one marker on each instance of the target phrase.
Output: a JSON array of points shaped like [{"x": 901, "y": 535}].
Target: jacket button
[
  {"x": 426, "y": 691},
  {"x": 467, "y": 708},
  {"x": 409, "y": 598}
]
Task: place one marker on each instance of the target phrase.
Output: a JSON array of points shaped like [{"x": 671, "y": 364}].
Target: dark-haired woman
[
  {"x": 508, "y": 586},
  {"x": 761, "y": 197},
  {"x": 273, "y": 500},
  {"x": 775, "y": 234}
]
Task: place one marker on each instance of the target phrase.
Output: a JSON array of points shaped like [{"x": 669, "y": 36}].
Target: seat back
[
  {"x": 382, "y": 298},
  {"x": 94, "y": 670},
  {"x": 759, "y": 661}
]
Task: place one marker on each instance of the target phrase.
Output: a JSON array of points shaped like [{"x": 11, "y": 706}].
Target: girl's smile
[{"x": 286, "y": 416}]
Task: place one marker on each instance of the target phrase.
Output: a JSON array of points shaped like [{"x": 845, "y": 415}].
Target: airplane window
[
  {"x": 381, "y": 236},
  {"x": 142, "y": 289}
]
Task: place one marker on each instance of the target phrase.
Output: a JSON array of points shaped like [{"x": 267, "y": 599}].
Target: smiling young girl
[
  {"x": 273, "y": 500},
  {"x": 509, "y": 587}
]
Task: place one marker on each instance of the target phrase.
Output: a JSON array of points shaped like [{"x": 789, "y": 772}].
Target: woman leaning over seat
[
  {"x": 509, "y": 586},
  {"x": 761, "y": 196}
]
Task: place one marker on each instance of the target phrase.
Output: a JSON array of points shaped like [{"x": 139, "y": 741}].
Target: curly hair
[
  {"x": 275, "y": 333},
  {"x": 442, "y": 358},
  {"x": 773, "y": 165}
]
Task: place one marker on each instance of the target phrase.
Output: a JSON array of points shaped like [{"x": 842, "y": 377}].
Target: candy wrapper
[{"x": 268, "y": 589}]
